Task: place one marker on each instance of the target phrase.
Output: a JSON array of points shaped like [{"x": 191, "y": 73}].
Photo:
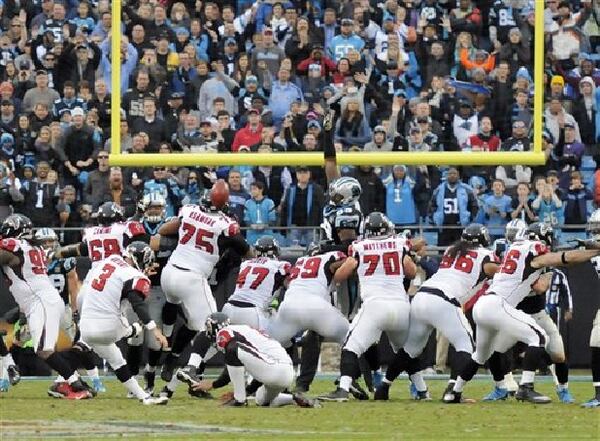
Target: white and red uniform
[
  {"x": 202, "y": 238},
  {"x": 499, "y": 323},
  {"x": 385, "y": 305},
  {"x": 102, "y": 321},
  {"x": 104, "y": 241},
  {"x": 34, "y": 292},
  {"x": 437, "y": 304},
  {"x": 262, "y": 357},
  {"x": 257, "y": 280},
  {"x": 307, "y": 303}
]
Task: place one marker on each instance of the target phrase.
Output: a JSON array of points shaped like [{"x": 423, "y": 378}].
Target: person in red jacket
[
  {"x": 485, "y": 140},
  {"x": 328, "y": 66},
  {"x": 250, "y": 134}
]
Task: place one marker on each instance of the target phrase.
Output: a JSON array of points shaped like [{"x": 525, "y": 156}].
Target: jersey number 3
[{"x": 100, "y": 282}]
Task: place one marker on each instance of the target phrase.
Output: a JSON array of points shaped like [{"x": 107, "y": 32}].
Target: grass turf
[{"x": 27, "y": 413}]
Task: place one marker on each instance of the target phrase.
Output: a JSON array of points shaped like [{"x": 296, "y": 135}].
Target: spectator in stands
[
  {"x": 97, "y": 182},
  {"x": 570, "y": 159},
  {"x": 302, "y": 206},
  {"x": 259, "y": 213},
  {"x": 485, "y": 140},
  {"x": 119, "y": 192},
  {"x": 79, "y": 148},
  {"x": 237, "y": 195},
  {"x": 249, "y": 135},
  {"x": 465, "y": 123},
  {"x": 453, "y": 204},
  {"x": 167, "y": 186},
  {"x": 41, "y": 93},
  {"x": 400, "y": 203},
  {"x": 555, "y": 117},
  {"x": 576, "y": 212},
  {"x": 10, "y": 194},
  {"x": 497, "y": 207},
  {"x": 352, "y": 127},
  {"x": 286, "y": 93},
  {"x": 521, "y": 204},
  {"x": 150, "y": 124},
  {"x": 341, "y": 44},
  {"x": 584, "y": 111},
  {"x": 548, "y": 207},
  {"x": 40, "y": 197}
]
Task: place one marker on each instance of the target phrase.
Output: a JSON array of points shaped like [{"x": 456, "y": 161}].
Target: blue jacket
[
  {"x": 340, "y": 46},
  {"x": 462, "y": 194},
  {"x": 127, "y": 68},
  {"x": 503, "y": 204},
  {"x": 202, "y": 44},
  {"x": 259, "y": 212},
  {"x": 400, "y": 203},
  {"x": 549, "y": 213},
  {"x": 282, "y": 97}
]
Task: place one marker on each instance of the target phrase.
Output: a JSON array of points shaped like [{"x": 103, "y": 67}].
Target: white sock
[
  {"x": 563, "y": 386},
  {"x": 282, "y": 400},
  {"x": 419, "y": 382},
  {"x": 459, "y": 385},
  {"x": 59, "y": 379},
  {"x": 172, "y": 385},
  {"x": 195, "y": 360},
  {"x": 345, "y": 382},
  {"x": 236, "y": 373},
  {"x": 93, "y": 373},
  {"x": 501, "y": 384},
  {"x": 134, "y": 387},
  {"x": 73, "y": 378},
  {"x": 527, "y": 377},
  {"x": 167, "y": 330},
  {"x": 552, "y": 369}
]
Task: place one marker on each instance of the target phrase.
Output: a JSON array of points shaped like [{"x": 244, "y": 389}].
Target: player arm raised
[{"x": 564, "y": 258}]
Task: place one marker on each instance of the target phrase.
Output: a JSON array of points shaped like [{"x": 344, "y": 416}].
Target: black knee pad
[
  {"x": 499, "y": 365},
  {"x": 201, "y": 344},
  {"x": 169, "y": 313},
  {"x": 123, "y": 373},
  {"x": 349, "y": 364},
  {"x": 154, "y": 357},
  {"x": 470, "y": 369},
  {"x": 533, "y": 357},
  {"x": 460, "y": 361},
  {"x": 372, "y": 357},
  {"x": 182, "y": 339}
]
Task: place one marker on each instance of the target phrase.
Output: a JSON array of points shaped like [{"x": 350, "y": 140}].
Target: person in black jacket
[
  {"x": 79, "y": 148},
  {"x": 41, "y": 198},
  {"x": 373, "y": 193}
]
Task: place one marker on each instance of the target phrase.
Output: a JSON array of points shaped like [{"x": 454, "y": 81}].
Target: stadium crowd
[{"x": 259, "y": 76}]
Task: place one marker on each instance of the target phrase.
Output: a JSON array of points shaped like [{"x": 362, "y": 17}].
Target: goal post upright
[{"x": 534, "y": 157}]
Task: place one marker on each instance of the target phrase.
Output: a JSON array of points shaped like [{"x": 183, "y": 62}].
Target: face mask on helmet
[
  {"x": 344, "y": 191},
  {"x": 215, "y": 322},
  {"x": 46, "y": 238},
  {"x": 16, "y": 226},
  {"x": 141, "y": 255}
]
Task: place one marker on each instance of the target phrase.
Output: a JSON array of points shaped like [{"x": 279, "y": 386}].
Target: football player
[
  {"x": 500, "y": 324},
  {"x": 594, "y": 232},
  {"x": 9, "y": 372},
  {"x": 153, "y": 214},
  {"x": 437, "y": 305},
  {"x": 102, "y": 323},
  {"x": 307, "y": 303},
  {"x": 63, "y": 274},
  {"x": 202, "y": 233},
  {"x": 382, "y": 262},
  {"x": 24, "y": 265},
  {"x": 259, "y": 278},
  {"x": 247, "y": 350},
  {"x": 111, "y": 236}
]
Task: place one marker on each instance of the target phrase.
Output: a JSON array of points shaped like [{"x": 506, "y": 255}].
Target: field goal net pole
[{"x": 534, "y": 157}]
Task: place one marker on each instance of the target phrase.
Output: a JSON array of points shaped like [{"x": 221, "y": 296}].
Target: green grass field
[{"x": 27, "y": 413}]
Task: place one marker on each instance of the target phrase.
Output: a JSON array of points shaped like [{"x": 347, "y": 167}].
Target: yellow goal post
[{"x": 534, "y": 157}]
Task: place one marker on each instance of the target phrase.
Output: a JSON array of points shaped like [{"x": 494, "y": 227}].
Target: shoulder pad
[
  {"x": 135, "y": 228},
  {"x": 11, "y": 245},
  {"x": 141, "y": 284}
]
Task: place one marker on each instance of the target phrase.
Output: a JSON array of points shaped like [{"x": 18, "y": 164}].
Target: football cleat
[
  {"x": 564, "y": 395},
  {"x": 4, "y": 385},
  {"x": 166, "y": 373},
  {"x": 423, "y": 395},
  {"x": 339, "y": 395},
  {"x": 154, "y": 401},
  {"x": 452, "y": 397},
  {"x": 187, "y": 375},
  {"x": 594, "y": 402},
  {"x": 59, "y": 390},
  {"x": 527, "y": 393},
  {"x": 79, "y": 395},
  {"x": 382, "y": 393},
  {"x": 499, "y": 393},
  {"x": 303, "y": 401},
  {"x": 98, "y": 386},
  {"x": 234, "y": 403},
  {"x": 358, "y": 392},
  {"x": 13, "y": 374},
  {"x": 448, "y": 389},
  {"x": 79, "y": 386}
]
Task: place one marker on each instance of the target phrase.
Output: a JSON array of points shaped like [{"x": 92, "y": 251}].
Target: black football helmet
[
  {"x": 540, "y": 231},
  {"x": 476, "y": 234},
  {"x": 266, "y": 246},
  {"x": 378, "y": 224},
  {"x": 215, "y": 322},
  {"x": 16, "y": 226},
  {"x": 141, "y": 254},
  {"x": 109, "y": 213},
  {"x": 207, "y": 205}
]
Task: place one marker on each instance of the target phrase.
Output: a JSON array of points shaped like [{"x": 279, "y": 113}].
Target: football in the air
[{"x": 219, "y": 194}]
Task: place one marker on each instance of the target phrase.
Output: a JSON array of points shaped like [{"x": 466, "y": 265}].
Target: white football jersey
[
  {"x": 380, "y": 270},
  {"x": 257, "y": 279},
  {"x": 107, "y": 284},
  {"x": 253, "y": 341},
  {"x": 311, "y": 275},
  {"x": 516, "y": 275},
  {"x": 29, "y": 281},
  {"x": 199, "y": 233},
  {"x": 105, "y": 241},
  {"x": 461, "y": 277}
]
